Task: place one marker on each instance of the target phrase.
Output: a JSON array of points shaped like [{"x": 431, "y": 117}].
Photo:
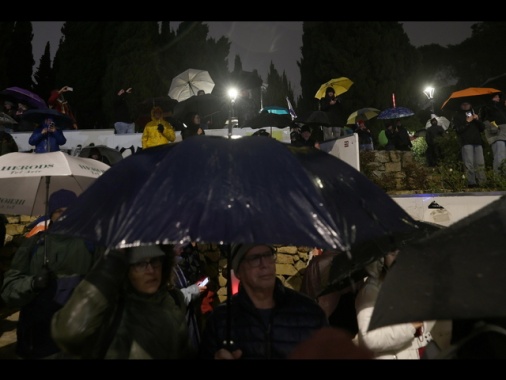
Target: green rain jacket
[
  {"x": 106, "y": 318},
  {"x": 69, "y": 259}
]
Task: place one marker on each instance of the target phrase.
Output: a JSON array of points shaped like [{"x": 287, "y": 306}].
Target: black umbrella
[
  {"x": 456, "y": 273},
  {"x": 207, "y": 106},
  {"x": 316, "y": 118},
  {"x": 344, "y": 270},
  {"x": 38, "y": 116},
  {"x": 265, "y": 120},
  {"x": 109, "y": 155}
]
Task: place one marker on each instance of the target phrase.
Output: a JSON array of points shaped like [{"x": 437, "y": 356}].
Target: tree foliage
[
  {"x": 99, "y": 58},
  {"x": 376, "y": 56},
  {"x": 19, "y": 67}
]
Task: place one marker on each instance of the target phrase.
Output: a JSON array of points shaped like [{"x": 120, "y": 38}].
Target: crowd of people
[{"x": 78, "y": 300}]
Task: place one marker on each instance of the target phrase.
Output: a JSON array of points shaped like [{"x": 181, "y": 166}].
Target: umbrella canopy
[
  {"x": 276, "y": 110},
  {"x": 475, "y": 95},
  {"x": 441, "y": 120},
  {"x": 27, "y": 97},
  {"x": 456, "y": 273},
  {"x": 269, "y": 120},
  {"x": 206, "y": 106},
  {"x": 367, "y": 113},
  {"x": 340, "y": 86},
  {"x": 27, "y": 179},
  {"x": 395, "y": 113},
  {"x": 253, "y": 183},
  {"x": 345, "y": 269},
  {"x": 189, "y": 82},
  {"x": 316, "y": 118},
  {"x": 6, "y": 119},
  {"x": 38, "y": 116},
  {"x": 112, "y": 155}
]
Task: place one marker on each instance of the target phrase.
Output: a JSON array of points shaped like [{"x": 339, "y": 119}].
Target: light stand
[{"x": 232, "y": 94}]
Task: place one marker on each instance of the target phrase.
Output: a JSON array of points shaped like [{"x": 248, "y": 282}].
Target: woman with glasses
[
  {"x": 124, "y": 309},
  {"x": 268, "y": 320}
]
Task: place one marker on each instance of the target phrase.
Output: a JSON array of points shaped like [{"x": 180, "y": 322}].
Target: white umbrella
[
  {"x": 27, "y": 179},
  {"x": 189, "y": 82},
  {"x": 441, "y": 120}
]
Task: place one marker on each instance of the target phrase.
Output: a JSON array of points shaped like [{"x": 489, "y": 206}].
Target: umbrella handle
[
  {"x": 46, "y": 221},
  {"x": 228, "y": 343}
]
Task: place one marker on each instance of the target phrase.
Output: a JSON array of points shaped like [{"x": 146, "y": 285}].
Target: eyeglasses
[
  {"x": 254, "y": 260},
  {"x": 141, "y": 266}
]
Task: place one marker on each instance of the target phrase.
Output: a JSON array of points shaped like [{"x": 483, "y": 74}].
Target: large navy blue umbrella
[{"x": 250, "y": 190}]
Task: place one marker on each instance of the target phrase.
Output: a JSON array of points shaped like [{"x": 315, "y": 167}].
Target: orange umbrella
[{"x": 474, "y": 95}]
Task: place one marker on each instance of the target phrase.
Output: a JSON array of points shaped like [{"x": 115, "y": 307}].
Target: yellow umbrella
[
  {"x": 340, "y": 86},
  {"x": 367, "y": 113}
]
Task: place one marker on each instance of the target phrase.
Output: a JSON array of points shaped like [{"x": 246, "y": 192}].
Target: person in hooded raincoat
[
  {"x": 126, "y": 308},
  {"x": 158, "y": 131}
]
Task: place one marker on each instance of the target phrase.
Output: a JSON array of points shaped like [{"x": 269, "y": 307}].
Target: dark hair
[{"x": 261, "y": 132}]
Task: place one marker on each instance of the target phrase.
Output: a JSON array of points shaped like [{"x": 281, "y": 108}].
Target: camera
[
  {"x": 70, "y": 88},
  {"x": 160, "y": 128}
]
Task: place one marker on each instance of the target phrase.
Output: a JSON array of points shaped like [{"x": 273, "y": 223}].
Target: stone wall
[{"x": 394, "y": 165}]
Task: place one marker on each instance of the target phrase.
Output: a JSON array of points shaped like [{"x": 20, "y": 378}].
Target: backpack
[{"x": 382, "y": 138}]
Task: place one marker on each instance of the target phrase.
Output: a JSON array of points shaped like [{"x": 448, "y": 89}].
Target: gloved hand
[
  {"x": 42, "y": 279},
  {"x": 160, "y": 128}
]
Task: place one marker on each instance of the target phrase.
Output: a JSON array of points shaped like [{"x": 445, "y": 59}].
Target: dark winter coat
[
  {"x": 69, "y": 259},
  {"x": 468, "y": 133},
  {"x": 107, "y": 318},
  {"x": 50, "y": 142},
  {"x": 294, "y": 318}
]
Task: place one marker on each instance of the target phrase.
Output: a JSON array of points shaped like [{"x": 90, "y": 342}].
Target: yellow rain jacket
[{"x": 152, "y": 136}]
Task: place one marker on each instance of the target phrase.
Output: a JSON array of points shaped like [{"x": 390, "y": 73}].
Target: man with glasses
[
  {"x": 268, "y": 320},
  {"x": 126, "y": 308}
]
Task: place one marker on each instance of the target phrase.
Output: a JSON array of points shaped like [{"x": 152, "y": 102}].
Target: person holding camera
[
  {"x": 365, "y": 141},
  {"x": 158, "y": 131},
  {"x": 47, "y": 137},
  {"x": 58, "y": 102},
  {"x": 469, "y": 130}
]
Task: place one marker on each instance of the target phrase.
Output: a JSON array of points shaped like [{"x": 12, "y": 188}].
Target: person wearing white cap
[
  {"x": 268, "y": 319},
  {"x": 125, "y": 309}
]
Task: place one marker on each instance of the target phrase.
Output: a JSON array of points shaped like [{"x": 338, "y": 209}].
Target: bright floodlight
[
  {"x": 429, "y": 92},
  {"x": 232, "y": 94}
]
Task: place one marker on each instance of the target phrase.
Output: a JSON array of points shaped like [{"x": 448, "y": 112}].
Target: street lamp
[
  {"x": 232, "y": 94},
  {"x": 429, "y": 92}
]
